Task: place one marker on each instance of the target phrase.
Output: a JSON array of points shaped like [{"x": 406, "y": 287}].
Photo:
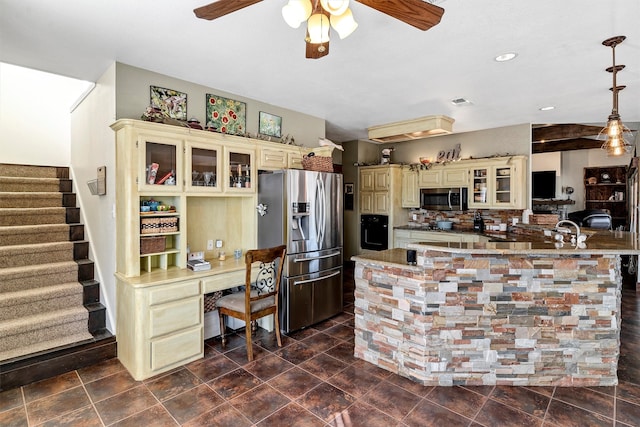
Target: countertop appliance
[
  {"x": 444, "y": 199},
  {"x": 304, "y": 211}
]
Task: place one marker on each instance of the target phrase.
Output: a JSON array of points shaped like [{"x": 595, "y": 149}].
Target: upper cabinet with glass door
[
  {"x": 499, "y": 183},
  {"x": 240, "y": 171},
  {"x": 160, "y": 168},
  {"x": 203, "y": 167}
]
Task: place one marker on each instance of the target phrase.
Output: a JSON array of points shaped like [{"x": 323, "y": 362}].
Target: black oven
[{"x": 374, "y": 232}]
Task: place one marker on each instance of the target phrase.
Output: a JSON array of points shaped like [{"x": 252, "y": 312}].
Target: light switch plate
[
  {"x": 218, "y": 243},
  {"x": 195, "y": 255}
]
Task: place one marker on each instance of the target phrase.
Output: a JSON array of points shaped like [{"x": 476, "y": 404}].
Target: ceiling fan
[{"x": 320, "y": 14}]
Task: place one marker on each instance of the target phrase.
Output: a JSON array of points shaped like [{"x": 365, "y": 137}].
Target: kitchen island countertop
[{"x": 495, "y": 313}]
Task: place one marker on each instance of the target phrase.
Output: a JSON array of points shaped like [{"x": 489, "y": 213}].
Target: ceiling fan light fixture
[
  {"x": 318, "y": 28},
  {"x": 344, "y": 24},
  {"x": 295, "y": 12},
  {"x": 335, "y": 7}
]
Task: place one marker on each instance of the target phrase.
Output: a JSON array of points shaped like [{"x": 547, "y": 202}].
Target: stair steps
[{"x": 51, "y": 318}]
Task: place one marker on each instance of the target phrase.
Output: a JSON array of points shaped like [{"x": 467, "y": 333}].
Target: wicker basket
[
  {"x": 151, "y": 245},
  {"x": 317, "y": 163},
  {"x": 158, "y": 225},
  {"x": 210, "y": 300}
]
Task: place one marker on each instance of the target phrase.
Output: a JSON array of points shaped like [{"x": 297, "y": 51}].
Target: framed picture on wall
[
  {"x": 226, "y": 115},
  {"x": 270, "y": 124},
  {"x": 170, "y": 102}
]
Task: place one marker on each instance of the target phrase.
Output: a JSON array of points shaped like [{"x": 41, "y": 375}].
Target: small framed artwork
[
  {"x": 226, "y": 115},
  {"x": 170, "y": 102},
  {"x": 270, "y": 125},
  {"x": 348, "y": 188},
  {"x": 348, "y": 196}
]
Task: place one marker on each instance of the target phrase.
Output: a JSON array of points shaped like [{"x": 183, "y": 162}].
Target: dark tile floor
[{"x": 314, "y": 380}]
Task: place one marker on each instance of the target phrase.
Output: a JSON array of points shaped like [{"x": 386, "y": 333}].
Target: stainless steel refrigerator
[{"x": 304, "y": 211}]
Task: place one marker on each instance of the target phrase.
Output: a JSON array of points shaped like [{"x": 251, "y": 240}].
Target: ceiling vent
[{"x": 408, "y": 130}]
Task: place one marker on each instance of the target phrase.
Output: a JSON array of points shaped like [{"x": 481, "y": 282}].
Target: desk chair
[{"x": 258, "y": 299}]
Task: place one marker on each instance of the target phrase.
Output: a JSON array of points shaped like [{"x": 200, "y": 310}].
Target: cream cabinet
[
  {"x": 402, "y": 237},
  {"x": 410, "y": 190},
  {"x": 379, "y": 189},
  {"x": 499, "y": 183},
  {"x": 274, "y": 157},
  {"x": 159, "y": 326},
  {"x": 165, "y": 169},
  {"x": 201, "y": 186},
  {"x": 443, "y": 176}
]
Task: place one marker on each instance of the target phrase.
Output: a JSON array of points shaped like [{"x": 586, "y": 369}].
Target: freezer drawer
[
  {"x": 310, "y": 298},
  {"x": 299, "y": 264}
]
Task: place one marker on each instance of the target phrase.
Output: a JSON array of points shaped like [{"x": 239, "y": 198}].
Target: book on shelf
[{"x": 198, "y": 265}]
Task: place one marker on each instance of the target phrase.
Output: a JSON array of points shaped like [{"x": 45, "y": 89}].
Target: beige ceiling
[{"x": 386, "y": 71}]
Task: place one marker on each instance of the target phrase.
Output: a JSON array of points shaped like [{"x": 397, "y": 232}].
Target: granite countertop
[{"x": 598, "y": 242}]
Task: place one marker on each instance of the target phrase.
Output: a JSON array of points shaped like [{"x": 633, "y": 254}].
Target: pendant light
[{"x": 615, "y": 131}]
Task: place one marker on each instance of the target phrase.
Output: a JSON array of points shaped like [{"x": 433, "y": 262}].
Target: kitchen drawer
[
  {"x": 223, "y": 281},
  {"x": 219, "y": 282},
  {"x": 175, "y": 316},
  {"x": 404, "y": 234},
  {"x": 273, "y": 159},
  {"x": 174, "y": 292},
  {"x": 177, "y": 348}
]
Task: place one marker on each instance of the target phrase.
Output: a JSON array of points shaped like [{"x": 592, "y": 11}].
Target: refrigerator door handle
[
  {"x": 302, "y": 282},
  {"x": 317, "y": 257},
  {"x": 320, "y": 211}
]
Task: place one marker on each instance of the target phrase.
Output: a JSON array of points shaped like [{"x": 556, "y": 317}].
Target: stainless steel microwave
[{"x": 444, "y": 199}]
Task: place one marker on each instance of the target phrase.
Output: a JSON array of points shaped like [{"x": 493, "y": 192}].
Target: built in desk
[{"x": 495, "y": 313}]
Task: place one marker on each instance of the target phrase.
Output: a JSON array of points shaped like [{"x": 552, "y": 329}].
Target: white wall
[
  {"x": 92, "y": 145},
  {"x": 34, "y": 115}
]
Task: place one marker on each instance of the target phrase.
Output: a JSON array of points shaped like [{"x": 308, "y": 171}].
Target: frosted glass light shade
[
  {"x": 296, "y": 12},
  {"x": 318, "y": 28},
  {"x": 335, "y": 7},
  {"x": 344, "y": 24}
]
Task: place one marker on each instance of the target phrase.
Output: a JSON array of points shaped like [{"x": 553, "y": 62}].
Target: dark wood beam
[
  {"x": 565, "y": 145},
  {"x": 563, "y": 131}
]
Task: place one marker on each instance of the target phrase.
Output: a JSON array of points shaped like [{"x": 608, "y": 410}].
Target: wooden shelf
[{"x": 597, "y": 196}]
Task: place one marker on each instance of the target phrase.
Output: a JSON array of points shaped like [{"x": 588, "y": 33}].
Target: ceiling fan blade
[
  {"x": 417, "y": 13},
  {"x": 222, "y": 7},
  {"x": 313, "y": 50}
]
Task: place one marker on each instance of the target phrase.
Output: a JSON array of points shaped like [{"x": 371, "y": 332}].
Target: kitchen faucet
[{"x": 578, "y": 240}]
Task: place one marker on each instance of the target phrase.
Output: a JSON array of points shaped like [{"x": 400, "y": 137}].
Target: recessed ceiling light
[
  {"x": 506, "y": 57},
  {"x": 550, "y": 107}
]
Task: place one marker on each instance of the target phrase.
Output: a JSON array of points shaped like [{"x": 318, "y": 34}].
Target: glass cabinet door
[
  {"x": 161, "y": 168},
  {"x": 480, "y": 190},
  {"x": 204, "y": 167},
  {"x": 503, "y": 181},
  {"x": 240, "y": 176}
]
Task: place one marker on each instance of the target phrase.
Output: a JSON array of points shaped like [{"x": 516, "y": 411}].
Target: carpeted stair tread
[
  {"x": 46, "y": 345},
  {"x": 29, "y": 184},
  {"x": 32, "y": 216},
  {"x": 37, "y": 199},
  {"x": 42, "y": 253},
  {"x": 7, "y": 169},
  {"x": 32, "y": 234},
  {"x": 13, "y": 279},
  {"x": 40, "y": 300},
  {"x": 28, "y": 330}
]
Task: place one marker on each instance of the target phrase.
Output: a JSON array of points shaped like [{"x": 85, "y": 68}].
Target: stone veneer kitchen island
[{"x": 512, "y": 313}]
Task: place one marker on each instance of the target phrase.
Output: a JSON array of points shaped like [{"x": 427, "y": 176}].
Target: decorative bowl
[
  {"x": 444, "y": 225},
  {"x": 425, "y": 160}
]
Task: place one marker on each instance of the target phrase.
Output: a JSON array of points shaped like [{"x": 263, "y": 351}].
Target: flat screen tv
[{"x": 543, "y": 184}]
